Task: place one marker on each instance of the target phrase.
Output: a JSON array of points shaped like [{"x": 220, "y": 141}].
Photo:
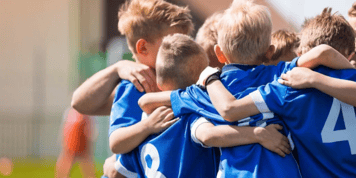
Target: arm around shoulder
[{"x": 150, "y": 101}]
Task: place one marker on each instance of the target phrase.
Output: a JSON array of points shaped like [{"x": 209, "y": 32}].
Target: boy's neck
[{"x": 243, "y": 62}]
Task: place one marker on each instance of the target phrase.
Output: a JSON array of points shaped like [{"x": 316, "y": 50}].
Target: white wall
[{"x": 34, "y": 66}]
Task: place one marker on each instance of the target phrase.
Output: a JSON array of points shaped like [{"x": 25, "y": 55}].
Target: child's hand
[
  {"x": 298, "y": 77},
  {"x": 142, "y": 76},
  {"x": 273, "y": 140},
  {"x": 160, "y": 119},
  {"x": 109, "y": 168}
]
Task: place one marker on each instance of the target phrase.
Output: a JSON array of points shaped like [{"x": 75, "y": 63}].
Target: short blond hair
[
  {"x": 207, "y": 35},
  {"x": 330, "y": 29},
  {"x": 182, "y": 61},
  {"x": 147, "y": 19},
  {"x": 245, "y": 31},
  {"x": 285, "y": 43}
]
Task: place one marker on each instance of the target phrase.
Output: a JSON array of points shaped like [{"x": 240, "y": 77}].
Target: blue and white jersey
[
  {"x": 248, "y": 160},
  {"x": 323, "y": 128},
  {"x": 173, "y": 153},
  {"x": 125, "y": 110}
]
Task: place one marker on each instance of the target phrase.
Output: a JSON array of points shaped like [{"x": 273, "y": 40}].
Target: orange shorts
[{"x": 76, "y": 133}]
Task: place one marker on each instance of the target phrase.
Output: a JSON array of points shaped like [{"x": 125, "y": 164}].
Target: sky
[{"x": 297, "y": 10}]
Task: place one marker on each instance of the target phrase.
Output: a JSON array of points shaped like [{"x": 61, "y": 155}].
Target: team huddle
[{"x": 282, "y": 105}]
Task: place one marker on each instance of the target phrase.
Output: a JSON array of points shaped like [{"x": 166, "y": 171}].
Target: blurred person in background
[{"x": 77, "y": 139}]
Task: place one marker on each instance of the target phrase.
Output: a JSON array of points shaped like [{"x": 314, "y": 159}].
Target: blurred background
[{"x": 49, "y": 47}]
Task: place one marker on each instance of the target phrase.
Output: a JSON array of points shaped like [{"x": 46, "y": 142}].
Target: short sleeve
[
  {"x": 194, "y": 128},
  {"x": 270, "y": 97},
  {"x": 125, "y": 110},
  {"x": 193, "y": 100}
]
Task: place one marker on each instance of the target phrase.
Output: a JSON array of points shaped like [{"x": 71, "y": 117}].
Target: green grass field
[{"x": 28, "y": 168}]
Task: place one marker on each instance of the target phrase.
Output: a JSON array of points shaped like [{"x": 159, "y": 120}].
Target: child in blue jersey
[
  {"x": 323, "y": 127},
  {"x": 144, "y": 23},
  {"x": 179, "y": 63},
  {"x": 245, "y": 45}
]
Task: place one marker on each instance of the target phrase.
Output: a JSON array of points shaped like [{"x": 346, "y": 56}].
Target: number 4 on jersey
[{"x": 329, "y": 135}]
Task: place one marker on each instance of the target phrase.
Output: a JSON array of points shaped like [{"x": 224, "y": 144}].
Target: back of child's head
[
  {"x": 244, "y": 32},
  {"x": 180, "y": 60},
  {"x": 352, "y": 16},
  {"x": 330, "y": 29},
  {"x": 285, "y": 43},
  {"x": 150, "y": 19},
  {"x": 207, "y": 37}
]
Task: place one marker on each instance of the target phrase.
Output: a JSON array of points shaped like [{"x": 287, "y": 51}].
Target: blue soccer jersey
[
  {"x": 125, "y": 110},
  {"x": 173, "y": 153},
  {"x": 323, "y": 128},
  {"x": 248, "y": 160}
]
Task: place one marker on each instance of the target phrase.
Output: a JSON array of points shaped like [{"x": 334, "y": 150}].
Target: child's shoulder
[{"x": 126, "y": 89}]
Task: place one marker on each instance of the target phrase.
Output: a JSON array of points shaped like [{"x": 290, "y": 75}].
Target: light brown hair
[
  {"x": 180, "y": 61},
  {"x": 245, "y": 31},
  {"x": 330, "y": 29},
  {"x": 285, "y": 43},
  {"x": 148, "y": 19},
  {"x": 207, "y": 37},
  {"x": 352, "y": 10}
]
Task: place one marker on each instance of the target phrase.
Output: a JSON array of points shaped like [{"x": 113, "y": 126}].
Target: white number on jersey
[
  {"x": 328, "y": 135},
  {"x": 152, "y": 172}
]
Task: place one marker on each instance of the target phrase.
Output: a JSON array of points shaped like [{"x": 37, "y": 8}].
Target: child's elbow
[
  {"x": 226, "y": 113},
  {"x": 208, "y": 140},
  {"x": 144, "y": 104},
  {"x": 325, "y": 50}
]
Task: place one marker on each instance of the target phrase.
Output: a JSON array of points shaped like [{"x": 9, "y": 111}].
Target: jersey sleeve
[
  {"x": 193, "y": 100},
  {"x": 193, "y": 130},
  {"x": 125, "y": 110},
  {"x": 270, "y": 97}
]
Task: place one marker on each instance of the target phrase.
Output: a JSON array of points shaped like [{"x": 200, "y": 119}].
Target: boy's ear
[
  {"x": 270, "y": 52},
  {"x": 219, "y": 54},
  {"x": 141, "y": 47}
]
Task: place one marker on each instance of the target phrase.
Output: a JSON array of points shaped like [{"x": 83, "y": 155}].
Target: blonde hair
[
  {"x": 330, "y": 29},
  {"x": 207, "y": 36},
  {"x": 245, "y": 31},
  {"x": 147, "y": 19},
  {"x": 182, "y": 61},
  {"x": 285, "y": 43}
]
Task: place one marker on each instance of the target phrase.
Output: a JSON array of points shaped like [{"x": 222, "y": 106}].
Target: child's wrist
[
  {"x": 258, "y": 132},
  {"x": 215, "y": 76}
]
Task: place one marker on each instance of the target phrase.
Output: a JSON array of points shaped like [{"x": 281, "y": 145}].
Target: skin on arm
[
  {"x": 96, "y": 94},
  {"x": 300, "y": 78},
  {"x": 109, "y": 168},
  {"x": 324, "y": 55},
  {"x": 125, "y": 139},
  {"x": 150, "y": 101},
  {"x": 229, "y": 136},
  {"x": 227, "y": 105}
]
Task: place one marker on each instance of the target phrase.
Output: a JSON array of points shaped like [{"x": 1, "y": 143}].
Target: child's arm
[
  {"x": 324, "y": 55},
  {"x": 95, "y": 95},
  {"x": 229, "y": 136},
  {"x": 233, "y": 110},
  {"x": 125, "y": 139},
  {"x": 300, "y": 78},
  {"x": 150, "y": 101},
  {"x": 227, "y": 105}
]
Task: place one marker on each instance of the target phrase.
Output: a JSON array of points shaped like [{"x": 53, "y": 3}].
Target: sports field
[{"x": 31, "y": 168}]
